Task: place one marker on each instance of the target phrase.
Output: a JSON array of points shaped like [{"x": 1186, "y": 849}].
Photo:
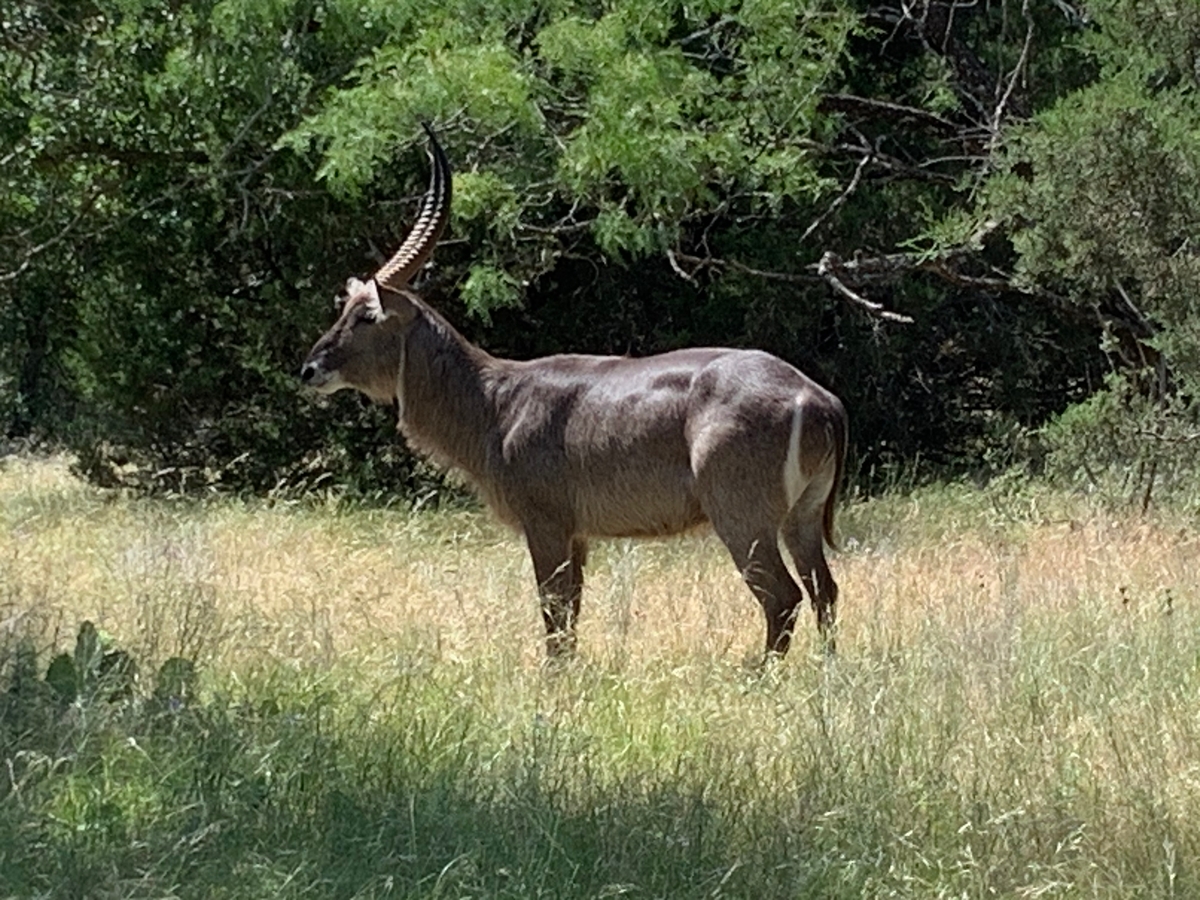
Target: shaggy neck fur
[{"x": 443, "y": 394}]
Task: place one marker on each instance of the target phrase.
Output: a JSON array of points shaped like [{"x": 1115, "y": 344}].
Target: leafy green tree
[
  {"x": 159, "y": 249},
  {"x": 1101, "y": 192},
  {"x": 704, "y": 147},
  {"x": 187, "y": 184}
]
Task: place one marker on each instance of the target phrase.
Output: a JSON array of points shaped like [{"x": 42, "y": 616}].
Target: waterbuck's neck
[{"x": 444, "y": 394}]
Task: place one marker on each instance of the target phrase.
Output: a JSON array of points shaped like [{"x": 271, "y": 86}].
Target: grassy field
[{"x": 1014, "y": 710}]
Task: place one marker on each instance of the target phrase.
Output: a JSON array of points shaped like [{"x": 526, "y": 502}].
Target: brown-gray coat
[{"x": 572, "y": 447}]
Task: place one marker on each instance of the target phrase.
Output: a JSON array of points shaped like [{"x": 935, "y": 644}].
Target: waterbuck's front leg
[{"x": 558, "y": 560}]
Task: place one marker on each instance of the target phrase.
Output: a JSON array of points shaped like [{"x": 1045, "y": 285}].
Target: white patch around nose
[{"x": 325, "y": 382}]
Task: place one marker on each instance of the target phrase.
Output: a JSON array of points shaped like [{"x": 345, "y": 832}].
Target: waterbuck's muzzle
[{"x": 313, "y": 374}]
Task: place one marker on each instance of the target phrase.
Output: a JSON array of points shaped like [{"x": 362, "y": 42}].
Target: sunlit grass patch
[{"x": 1014, "y": 710}]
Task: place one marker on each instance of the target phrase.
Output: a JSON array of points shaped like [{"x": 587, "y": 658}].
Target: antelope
[{"x": 571, "y": 447}]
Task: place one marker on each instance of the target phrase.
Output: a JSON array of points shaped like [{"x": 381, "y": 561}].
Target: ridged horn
[{"x": 431, "y": 222}]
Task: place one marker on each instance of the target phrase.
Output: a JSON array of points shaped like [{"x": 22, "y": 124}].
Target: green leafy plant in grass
[
  {"x": 82, "y": 785},
  {"x": 95, "y": 674},
  {"x": 93, "y": 670}
]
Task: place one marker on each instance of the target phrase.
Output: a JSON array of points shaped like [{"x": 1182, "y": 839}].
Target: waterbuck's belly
[
  {"x": 637, "y": 499},
  {"x": 628, "y": 455}
]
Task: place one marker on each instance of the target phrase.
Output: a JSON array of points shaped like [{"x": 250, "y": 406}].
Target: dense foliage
[{"x": 966, "y": 219}]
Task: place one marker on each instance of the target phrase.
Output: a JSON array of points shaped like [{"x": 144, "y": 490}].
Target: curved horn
[{"x": 431, "y": 221}]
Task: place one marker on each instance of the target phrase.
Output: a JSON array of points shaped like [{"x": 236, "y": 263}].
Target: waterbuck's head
[{"x": 362, "y": 349}]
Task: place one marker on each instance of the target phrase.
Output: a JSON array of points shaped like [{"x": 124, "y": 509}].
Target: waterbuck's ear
[{"x": 367, "y": 294}]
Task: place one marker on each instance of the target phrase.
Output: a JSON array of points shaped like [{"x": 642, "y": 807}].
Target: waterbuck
[{"x": 571, "y": 447}]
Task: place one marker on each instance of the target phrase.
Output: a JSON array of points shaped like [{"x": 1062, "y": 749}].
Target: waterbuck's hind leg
[
  {"x": 746, "y": 512},
  {"x": 758, "y": 559},
  {"x": 558, "y": 561},
  {"x": 803, "y": 537}
]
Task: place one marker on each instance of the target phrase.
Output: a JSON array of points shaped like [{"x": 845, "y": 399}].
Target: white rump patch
[{"x": 793, "y": 478}]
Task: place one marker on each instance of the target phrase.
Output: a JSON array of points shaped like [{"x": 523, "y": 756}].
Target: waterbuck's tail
[{"x": 840, "y": 438}]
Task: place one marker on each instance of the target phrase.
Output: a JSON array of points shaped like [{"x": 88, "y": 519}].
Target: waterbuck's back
[{"x": 625, "y": 445}]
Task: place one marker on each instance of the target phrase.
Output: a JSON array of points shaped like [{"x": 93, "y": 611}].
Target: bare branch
[
  {"x": 1075, "y": 16},
  {"x": 850, "y": 102},
  {"x": 920, "y": 171},
  {"x": 243, "y": 130},
  {"x": 1145, "y": 324},
  {"x": 41, "y": 248},
  {"x": 714, "y": 262},
  {"x": 1017, "y": 72},
  {"x": 678, "y": 269},
  {"x": 709, "y": 29},
  {"x": 828, "y": 271},
  {"x": 1169, "y": 438},
  {"x": 563, "y": 227},
  {"x": 868, "y": 156},
  {"x": 829, "y": 268},
  {"x": 938, "y": 25}
]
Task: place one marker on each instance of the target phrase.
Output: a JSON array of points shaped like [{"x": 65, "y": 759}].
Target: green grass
[{"x": 1014, "y": 711}]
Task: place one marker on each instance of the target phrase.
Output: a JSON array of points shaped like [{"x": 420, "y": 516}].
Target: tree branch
[
  {"x": 1017, "y": 72},
  {"x": 937, "y": 24},
  {"x": 867, "y": 157},
  {"x": 32, "y": 252},
  {"x": 852, "y": 103},
  {"x": 828, "y": 271},
  {"x": 831, "y": 266}
]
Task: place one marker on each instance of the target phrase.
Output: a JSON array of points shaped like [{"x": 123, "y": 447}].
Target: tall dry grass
[{"x": 1014, "y": 710}]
